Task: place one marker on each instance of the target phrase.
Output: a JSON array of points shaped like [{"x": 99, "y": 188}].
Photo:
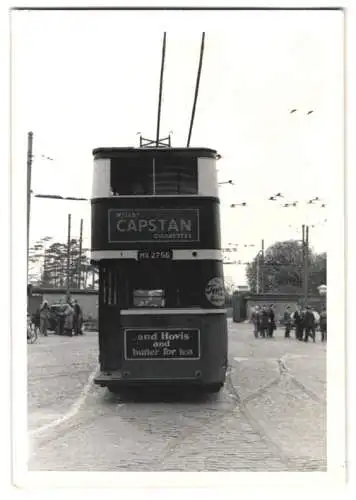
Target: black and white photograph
[{"x": 181, "y": 177}]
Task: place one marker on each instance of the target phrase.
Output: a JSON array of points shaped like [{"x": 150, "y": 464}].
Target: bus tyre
[{"x": 213, "y": 388}]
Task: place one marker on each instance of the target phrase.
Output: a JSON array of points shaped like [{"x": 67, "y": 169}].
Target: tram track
[
  {"x": 285, "y": 371},
  {"x": 306, "y": 390},
  {"x": 232, "y": 403},
  {"x": 50, "y": 376},
  {"x": 242, "y": 403},
  {"x": 251, "y": 420}
]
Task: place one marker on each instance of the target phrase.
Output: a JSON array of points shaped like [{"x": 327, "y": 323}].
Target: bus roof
[{"x": 132, "y": 152}]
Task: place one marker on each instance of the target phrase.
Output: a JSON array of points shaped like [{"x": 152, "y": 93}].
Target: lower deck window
[
  {"x": 149, "y": 298},
  {"x": 174, "y": 284}
]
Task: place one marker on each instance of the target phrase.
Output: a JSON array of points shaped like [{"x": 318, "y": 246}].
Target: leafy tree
[
  {"x": 317, "y": 271},
  {"x": 48, "y": 266},
  {"x": 281, "y": 270}
]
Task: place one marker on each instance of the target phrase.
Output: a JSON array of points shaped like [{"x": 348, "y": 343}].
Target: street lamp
[{"x": 322, "y": 289}]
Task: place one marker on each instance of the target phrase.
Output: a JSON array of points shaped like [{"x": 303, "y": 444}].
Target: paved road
[{"x": 270, "y": 416}]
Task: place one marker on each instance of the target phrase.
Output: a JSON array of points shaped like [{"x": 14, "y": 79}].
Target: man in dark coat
[
  {"x": 309, "y": 324},
  {"x": 264, "y": 323},
  {"x": 77, "y": 319},
  {"x": 272, "y": 321},
  {"x": 287, "y": 319},
  {"x": 298, "y": 323},
  {"x": 255, "y": 317},
  {"x": 323, "y": 324}
]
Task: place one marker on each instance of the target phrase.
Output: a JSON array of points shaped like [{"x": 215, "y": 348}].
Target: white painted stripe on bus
[
  {"x": 181, "y": 254},
  {"x": 202, "y": 254},
  {"x": 113, "y": 254},
  {"x": 161, "y": 311}
]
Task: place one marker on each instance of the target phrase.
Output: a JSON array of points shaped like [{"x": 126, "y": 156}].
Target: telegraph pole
[
  {"x": 80, "y": 254},
  {"x": 305, "y": 236},
  {"x": 263, "y": 264},
  {"x": 29, "y": 174},
  {"x": 259, "y": 268},
  {"x": 68, "y": 257}
]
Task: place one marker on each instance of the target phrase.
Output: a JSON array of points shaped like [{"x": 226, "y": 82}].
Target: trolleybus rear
[{"x": 156, "y": 242}]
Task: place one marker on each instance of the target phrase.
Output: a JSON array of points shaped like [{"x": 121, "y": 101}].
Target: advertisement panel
[
  {"x": 156, "y": 343},
  {"x": 153, "y": 225}
]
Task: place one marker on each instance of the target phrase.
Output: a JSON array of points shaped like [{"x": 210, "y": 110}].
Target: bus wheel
[{"x": 213, "y": 388}]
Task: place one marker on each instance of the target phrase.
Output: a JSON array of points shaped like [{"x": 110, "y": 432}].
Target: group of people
[
  {"x": 264, "y": 322},
  {"x": 69, "y": 319},
  {"x": 304, "y": 320}
]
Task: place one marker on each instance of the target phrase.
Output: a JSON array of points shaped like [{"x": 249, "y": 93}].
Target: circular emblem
[{"x": 215, "y": 292}]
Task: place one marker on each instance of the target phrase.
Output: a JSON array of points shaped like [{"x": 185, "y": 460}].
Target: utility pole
[
  {"x": 29, "y": 174},
  {"x": 68, "y": 257},
  {"x": 259, "y": 268},
  {"x": 305, "y": 236},
  {"x": 263, "y": 265},
  {"x": 79, "y": 269}
]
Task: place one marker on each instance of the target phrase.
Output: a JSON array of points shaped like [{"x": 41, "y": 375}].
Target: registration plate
[{"x": 155, "y": 255}]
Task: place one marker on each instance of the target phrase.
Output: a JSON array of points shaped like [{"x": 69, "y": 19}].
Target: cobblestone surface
[
  {"x": 58, "y": 369},
  {"x": 270, "y": 416}
]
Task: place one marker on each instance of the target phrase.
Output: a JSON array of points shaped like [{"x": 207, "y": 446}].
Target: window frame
[{"x": 153, "y": 180}]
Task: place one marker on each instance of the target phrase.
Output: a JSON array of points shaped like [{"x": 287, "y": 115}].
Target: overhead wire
[{"x": 196, "y": 88}]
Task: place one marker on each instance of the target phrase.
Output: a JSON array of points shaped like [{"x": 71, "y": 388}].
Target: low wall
[{"x": 87, "y": 299}]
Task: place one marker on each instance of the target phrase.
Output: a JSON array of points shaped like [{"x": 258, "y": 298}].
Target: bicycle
[{"x": 32, "y": 331}]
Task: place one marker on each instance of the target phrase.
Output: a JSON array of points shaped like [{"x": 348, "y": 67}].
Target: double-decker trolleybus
[{"x": 156, "y": 241}]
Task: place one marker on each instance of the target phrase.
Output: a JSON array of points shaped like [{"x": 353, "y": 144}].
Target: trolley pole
[
  {"x": 161, "y": 87},
  {"x": 29, "y": 175},
  {"x": 68, "y": 257},
  {"x": 79, "y": 268}
]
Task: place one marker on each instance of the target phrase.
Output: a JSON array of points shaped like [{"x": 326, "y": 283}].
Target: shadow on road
[{"x": 158, "y": 395}]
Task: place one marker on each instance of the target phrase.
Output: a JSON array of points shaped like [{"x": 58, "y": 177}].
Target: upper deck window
[
  {"x": 130, "y": 177},
  {"x": 165, "y": 175},
  {"x": 176, "y": 176}
]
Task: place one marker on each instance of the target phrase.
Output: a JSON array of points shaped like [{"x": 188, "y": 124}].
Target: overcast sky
[{"x": 88, "y": 79}]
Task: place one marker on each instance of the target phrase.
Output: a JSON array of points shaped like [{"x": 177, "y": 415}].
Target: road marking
[
  {"x": 72, "y": 412},
  {"x": 255, "y": 358}
]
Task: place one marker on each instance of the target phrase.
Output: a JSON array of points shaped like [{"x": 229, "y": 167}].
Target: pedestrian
[
  {"x": 264, "y": 322},
  {"x": 323, "y": 324},
  {"x": 271, "y": 321},
  {"x": 287, "y": 319},
  {"x": 298, "y": 323},
  {"x": 77, "y": 319},
  {"x": 68, "y": 319},
  {"x": 316, "y": 317},
  {"x": 309, "y": 324},
  {"x": 36, "y": 318},
  {"x": 44, "y": 318},
  {"x": 254, "y": 315}
]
